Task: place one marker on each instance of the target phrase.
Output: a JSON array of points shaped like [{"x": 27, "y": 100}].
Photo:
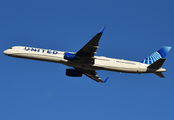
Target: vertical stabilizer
[{"x": 157, "y": 55}]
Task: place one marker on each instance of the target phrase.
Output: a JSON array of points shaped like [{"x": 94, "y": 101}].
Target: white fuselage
[{"x": 100, "y": 62}]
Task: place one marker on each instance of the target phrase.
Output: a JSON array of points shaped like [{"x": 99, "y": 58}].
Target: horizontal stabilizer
[
  {"x": 157, "y": 64},
  {"x": 159, "y": 74}
]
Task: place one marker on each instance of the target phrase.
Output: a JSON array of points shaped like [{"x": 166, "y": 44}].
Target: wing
[
  {"x": 92, "y": 74},
  {"x": 87, "y": 52}
]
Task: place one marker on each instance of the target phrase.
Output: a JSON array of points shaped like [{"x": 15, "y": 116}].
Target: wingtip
[
  {"x": 102, "y": 30},
  {"x": 106, "y": 80}
]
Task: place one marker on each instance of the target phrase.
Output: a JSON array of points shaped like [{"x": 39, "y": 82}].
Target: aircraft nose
[{"x": 5, "y": 52}]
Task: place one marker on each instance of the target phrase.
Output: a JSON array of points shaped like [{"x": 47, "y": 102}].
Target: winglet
[
  {"x": 106, "y": 80},
  {"x": 102, "y": 30}
]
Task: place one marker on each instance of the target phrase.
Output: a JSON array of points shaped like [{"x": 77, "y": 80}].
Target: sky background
[{"x": 36, "y": 90}]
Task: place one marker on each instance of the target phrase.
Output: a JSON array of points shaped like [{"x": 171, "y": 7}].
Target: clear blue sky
[{"x": 36, "y": 90}]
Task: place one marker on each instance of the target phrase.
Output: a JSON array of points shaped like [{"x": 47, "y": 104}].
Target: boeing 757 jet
[{"x": 85, "y": 62}]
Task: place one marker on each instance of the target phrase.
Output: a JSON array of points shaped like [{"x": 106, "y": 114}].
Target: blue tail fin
[{"x": 157, "y": 55}]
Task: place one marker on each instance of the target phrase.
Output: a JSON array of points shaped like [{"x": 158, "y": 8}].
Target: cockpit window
[{"x": 10, "y": 48}]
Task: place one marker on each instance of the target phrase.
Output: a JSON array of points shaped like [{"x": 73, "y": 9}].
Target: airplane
[{"x": 85, "y": 62}]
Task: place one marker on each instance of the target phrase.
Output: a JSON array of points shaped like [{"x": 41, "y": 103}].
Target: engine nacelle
[
  {"x": 70, "y": 56},
  {"x": 73, "y": 73}
]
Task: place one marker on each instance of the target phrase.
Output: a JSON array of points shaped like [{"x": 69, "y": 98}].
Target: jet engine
[
  {"x": 73, "y": 73},
  {"x": 71, "y": 56}
]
